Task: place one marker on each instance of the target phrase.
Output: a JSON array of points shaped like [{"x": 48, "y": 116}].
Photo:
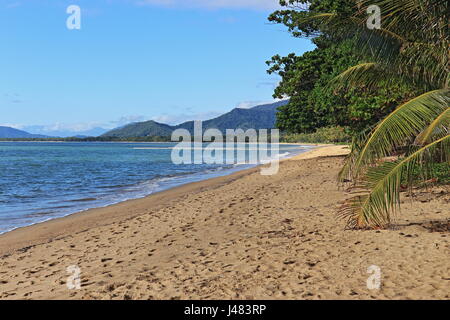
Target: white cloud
[
  {"x": 215, "y": 4},
  {"x": 271, "y": 83},
  {"x": 71, "y": 127},
  {"x": 74, "y": 128},
  {"x": 254, "y": 103},
  {"x": 125, "y": 120},
  {"x": 12, "y": 125},
  {"x": 180, "y": 118},
  {"x": 13, "y": 97}
]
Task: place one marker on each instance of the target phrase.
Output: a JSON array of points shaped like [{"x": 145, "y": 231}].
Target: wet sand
[{"x": 242, "y": 236}]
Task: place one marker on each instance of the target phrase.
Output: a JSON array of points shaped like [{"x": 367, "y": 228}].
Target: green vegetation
[
  {"x": 436, "y": 173},
  {"x": 306, "y": 78},
  {"x": 336, "y": 135},
  {"x": 140, "y": 129},
  {"x": 388, "y": 84}
]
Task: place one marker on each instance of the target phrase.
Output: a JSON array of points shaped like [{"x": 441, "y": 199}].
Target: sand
[{"x": 243, "y": 236}]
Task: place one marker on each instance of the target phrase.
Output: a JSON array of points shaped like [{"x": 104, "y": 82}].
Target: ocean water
[{"x": 45, "y": 180}]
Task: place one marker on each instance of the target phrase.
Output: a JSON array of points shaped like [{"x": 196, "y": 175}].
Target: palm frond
[
  {"x": 373, "y": 208},
  {"x": 346, "y": 174},
  {"x": 339, "y": 26},
  {"x": 401, "y": 126},
  {"x": 423, "y": 27},
  {"x": 438, "y": 128},
  {"x": 413, "y": 40},
  {"x": 366, "y": 74},
  {"x": 432, "y": 15}
]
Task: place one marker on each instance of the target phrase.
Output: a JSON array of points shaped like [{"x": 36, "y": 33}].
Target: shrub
[{"x": 321, "y": 135}]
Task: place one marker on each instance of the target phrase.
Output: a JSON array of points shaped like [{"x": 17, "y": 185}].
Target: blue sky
[{"x": 133, "y": 60}]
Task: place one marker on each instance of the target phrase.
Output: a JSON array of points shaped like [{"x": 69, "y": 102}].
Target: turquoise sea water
[{"x": 44, "y": 180}]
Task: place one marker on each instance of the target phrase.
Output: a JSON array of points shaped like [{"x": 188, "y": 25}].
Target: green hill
[
  {"x": 11, "y": 133},
  {"x": 259, "y": 117},
  {"x": 140, "y": 129}
]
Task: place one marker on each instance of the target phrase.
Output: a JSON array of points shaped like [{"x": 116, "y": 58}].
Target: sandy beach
[{"x": 242, "y": 236}]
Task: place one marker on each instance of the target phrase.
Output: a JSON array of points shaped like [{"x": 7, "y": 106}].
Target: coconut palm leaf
[
  {"x": 340, "y": 25},
  {"x": 438, "y": 128},
  {"x": 346, "y": 174},
  {"x": 373, "y": 208},
  {"x": 423, "y": 27},
  {"x": 363, "y": 73},
  {"x": 367, "y": 75},
  {"x": 401, "y": 126},
  {"x": 403, "y": 43},
  {"x": 432, "y": 15}
]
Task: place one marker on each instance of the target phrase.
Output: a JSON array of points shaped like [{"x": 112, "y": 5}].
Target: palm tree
[{"x": 412, "y": 45}]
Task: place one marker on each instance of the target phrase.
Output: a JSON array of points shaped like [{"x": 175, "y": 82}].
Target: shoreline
[
  {"x": 193, "y": 177},
  {"x": 241, "y": 236},
  {"x": 174, "y": 142},
  {"x": 94, "y": 217},
  {"x": 41, "y": 232}
]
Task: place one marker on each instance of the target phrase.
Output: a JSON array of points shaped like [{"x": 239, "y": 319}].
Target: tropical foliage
[
  {"x": 411, "y": 47},
  {"x": 336, "y": 135},
  {"x": 305, "y": 79}
]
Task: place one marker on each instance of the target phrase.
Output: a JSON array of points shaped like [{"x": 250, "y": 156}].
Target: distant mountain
[
  {"x": 60, "y": 132},
  {"x": 140, "y": 129},
  {"x": 7, "y": 132},
  {"x": 259, "y": 117}
]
